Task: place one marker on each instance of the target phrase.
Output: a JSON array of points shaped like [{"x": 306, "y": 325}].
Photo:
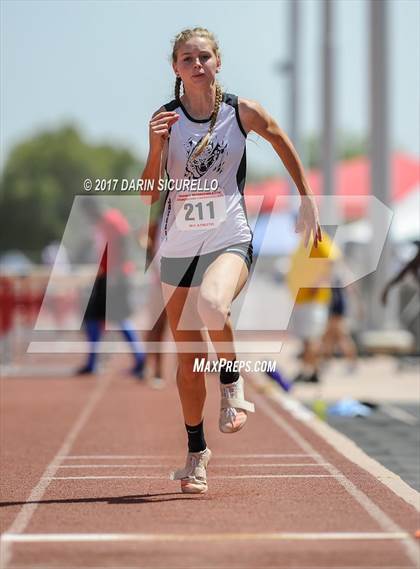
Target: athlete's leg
[
  {"x": 345, "y": 341},
  {"x": 155, "y": 335},
  {"x": 312, "y": 353},
  {"x": 329, "y": 339},
  {"x": 94, "y": 330},
  {"x": 182, "y": 302},
  {"x": 130, "y": 334},
  {"x": 223, "y": 281},
  {"x": 181, "y": 309},
  {"x": 94, "y": 321}
]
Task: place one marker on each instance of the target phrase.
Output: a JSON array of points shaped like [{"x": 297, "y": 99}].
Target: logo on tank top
[{"x": 212, "y": 158}]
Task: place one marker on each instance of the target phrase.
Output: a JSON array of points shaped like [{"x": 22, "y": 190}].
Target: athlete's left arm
[{"x": 255, "y": 118}]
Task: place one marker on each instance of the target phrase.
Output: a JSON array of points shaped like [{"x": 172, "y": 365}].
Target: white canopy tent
[{"x": 405, "y": 224}]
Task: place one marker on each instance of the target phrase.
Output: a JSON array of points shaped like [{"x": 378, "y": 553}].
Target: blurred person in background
[
  {"x": 408, "y": 299},
  {"x": 149, "y": 240},
  {"x": 310, "y": 312},
  {"x": 56, "y": 254},
  {"x": 412, "y": 268},
  {"x": 59, "y": 301},
  {"x": 337, "y": 334},
  {"x": 110, "y": 231}
]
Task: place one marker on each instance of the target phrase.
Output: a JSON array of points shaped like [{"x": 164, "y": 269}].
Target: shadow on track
[{"x": 133, "y": 499}]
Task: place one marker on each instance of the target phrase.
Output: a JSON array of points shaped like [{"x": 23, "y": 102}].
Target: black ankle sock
[
  {"x": 196, "y": 440},
  {"x": 228, "y": 376}
]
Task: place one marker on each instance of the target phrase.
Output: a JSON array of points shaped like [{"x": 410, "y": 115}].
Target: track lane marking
[
  {"x": 188, "y": 537},
  {"x": 161, "y": 456},
  {"x": 223, "y": 567},
  {"x": 213, "y": 465},
  {"x": 342, "y": 444},
  {"x": 28, "y": 509},
  {"x": 399, "y": 414},
  {"x": 227, "y": 477},
  {"x": 384, "y": 521}
]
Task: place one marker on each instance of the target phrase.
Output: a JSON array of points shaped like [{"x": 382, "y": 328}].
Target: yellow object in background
[
  {"x": 309, "y": 276},
  {"x": 320, "y": 407}
]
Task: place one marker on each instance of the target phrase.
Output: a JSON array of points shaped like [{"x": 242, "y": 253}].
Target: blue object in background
[
  {"x": 274, "y": 234},
  {"x": 349, "y": 408},
  {"x": 280, "y": 380}
]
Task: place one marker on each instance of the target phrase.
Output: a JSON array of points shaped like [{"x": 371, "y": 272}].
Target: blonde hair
[{"x": 181, "y": 38}]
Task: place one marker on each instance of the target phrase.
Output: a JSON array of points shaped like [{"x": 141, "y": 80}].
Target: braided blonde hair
[{"x": 181, "y": 38}]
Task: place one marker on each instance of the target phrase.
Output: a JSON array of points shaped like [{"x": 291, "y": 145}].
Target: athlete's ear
[
  {"x": 174, "y": 67},
  {"x": 219, "y": 63}
]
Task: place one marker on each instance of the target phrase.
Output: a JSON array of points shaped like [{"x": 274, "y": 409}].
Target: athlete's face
[{"x": 196, "y": 62}]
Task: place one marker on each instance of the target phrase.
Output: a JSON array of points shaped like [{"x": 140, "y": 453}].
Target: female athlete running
[{"x": 206, "y": 243}]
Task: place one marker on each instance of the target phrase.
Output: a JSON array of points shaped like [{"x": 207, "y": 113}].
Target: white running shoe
[
  {"x": 233, "y": 407},
  {"x": 193, "y": 476}
]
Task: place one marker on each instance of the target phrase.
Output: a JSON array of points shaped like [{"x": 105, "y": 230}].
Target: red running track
[{"x": 85, "y": 483}]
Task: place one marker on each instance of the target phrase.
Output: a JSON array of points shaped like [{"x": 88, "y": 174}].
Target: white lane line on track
[
  {"x": 218, "y": 567},
  {"x": 384, "y": 521},
  {"x": 399, "y": 414},
  {"x": 191, "y": 537},
  {"x": 161, "y": 456},
  {"x": 152, "y": 477},
  {"x": 294, "y": 464},
  {"x": 26, "y": 512}
]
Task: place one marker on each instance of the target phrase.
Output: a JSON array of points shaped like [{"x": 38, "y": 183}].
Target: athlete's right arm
[{"x": 159, "y": 127}]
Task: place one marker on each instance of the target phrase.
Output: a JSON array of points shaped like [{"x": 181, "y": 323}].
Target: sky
[{"x": 105, "y": 66}]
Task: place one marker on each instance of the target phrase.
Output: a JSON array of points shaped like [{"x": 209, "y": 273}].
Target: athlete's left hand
[{"x": 308, "y": 220}]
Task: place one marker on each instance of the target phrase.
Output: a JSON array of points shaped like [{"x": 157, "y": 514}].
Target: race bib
[{"x": 199, "y": 210}]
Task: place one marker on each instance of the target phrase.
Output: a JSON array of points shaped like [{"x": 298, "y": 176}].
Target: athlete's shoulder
[
  {"x": 253, "y": 115},
  {"x": 233, "y": 101},
  {"x": 171, "y": 106},
  {"x": 230, "y": 99},
  {"x": 250, "y": 108}
]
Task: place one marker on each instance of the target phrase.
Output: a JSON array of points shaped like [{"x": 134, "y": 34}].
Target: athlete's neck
[{"x": 199, "y": 104}]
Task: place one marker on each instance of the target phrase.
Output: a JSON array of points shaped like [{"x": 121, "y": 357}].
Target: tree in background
[
  {"x": 40, "y": 179},
  {"x": 44, "y": 173},
  {"x": 348, "y": 146}
]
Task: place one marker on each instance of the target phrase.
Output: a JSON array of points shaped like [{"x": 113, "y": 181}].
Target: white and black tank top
[{"x": 205, "y": 211}]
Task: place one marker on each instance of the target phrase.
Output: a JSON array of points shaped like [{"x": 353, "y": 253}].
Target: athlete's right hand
[{"x": 159, "y": 127}]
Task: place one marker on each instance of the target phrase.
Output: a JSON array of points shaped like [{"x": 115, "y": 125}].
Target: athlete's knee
[
  {"x": 191, "y": 367},
  {"x": 213, "y": 310}
]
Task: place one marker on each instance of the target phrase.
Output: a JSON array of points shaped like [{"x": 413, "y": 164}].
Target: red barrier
[
  {"x": 7, "y": 305},
  {"x": 21, "y": 298},
  {"x": 28, "y": 301},
  {"x": 18, "y": 297}
]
